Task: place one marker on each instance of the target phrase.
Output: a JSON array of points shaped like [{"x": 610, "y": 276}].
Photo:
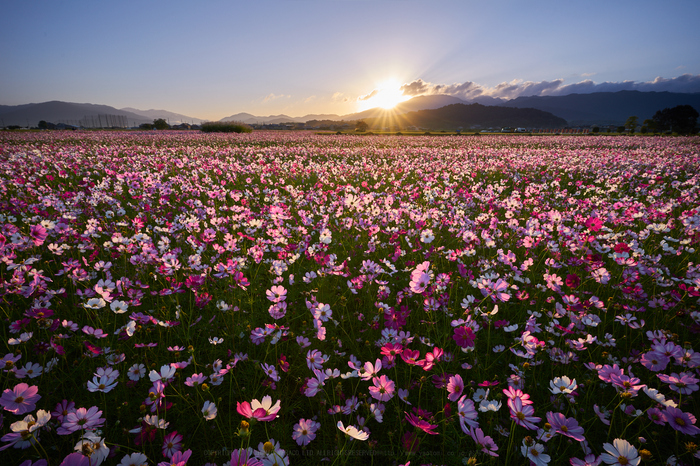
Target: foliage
[
  {"x": 160, "y": 124},
  {"x": 682, "y": 119},
  {"x": 361, "y": 126},
  {"x": 225, "y": 127},
  {"x": 492, "y": 300}
]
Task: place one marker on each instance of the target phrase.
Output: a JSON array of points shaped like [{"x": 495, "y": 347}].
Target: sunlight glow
[{"x": 385, "y": 95}]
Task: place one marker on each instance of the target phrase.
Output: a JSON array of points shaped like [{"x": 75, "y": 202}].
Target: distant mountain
[
  {"x": 171, "y": 117},
  {"x": 69, "y": 113},
  {"x": 277, "y": 119},
  {"x": 411, "y": 105},
  {"x": 455, "y": 116},
  {"x": 606, "y": 108}
]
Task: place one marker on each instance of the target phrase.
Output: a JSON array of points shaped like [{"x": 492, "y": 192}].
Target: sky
[{"x": 211, "y": 59}]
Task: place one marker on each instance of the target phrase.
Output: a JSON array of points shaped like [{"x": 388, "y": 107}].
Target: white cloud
[
  {"x": 270, "y": 97},
  {"x": 517, "y": 88}
]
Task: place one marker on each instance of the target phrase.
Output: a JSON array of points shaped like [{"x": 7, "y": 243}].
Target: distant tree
[
  {"x": 160, "y": 123},
  {"x": 648, "y": 125},
  {"x": 631, "y": 124},
  {"x": 682, "y": 119},
  {"x": 43, "y": 125},
  {"x": 361, "y": 126},
  {"x": 147, "y": 126},
  {"x": 620, "y": 129},
  {"x": 595, "y": 129}
]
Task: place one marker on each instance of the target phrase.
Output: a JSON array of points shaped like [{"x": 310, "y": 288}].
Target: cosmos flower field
[{"x": 288, "y": 298}]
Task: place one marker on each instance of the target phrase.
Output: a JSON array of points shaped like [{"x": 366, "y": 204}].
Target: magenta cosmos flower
[
  {"x": 20, "y": 399},
  {"x": 261, "y": 411},
  {"x": 422, "y": 424}
]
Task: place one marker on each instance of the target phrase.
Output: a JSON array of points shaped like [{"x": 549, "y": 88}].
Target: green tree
[
  {"x": 649, "y": 124},
  {"x": 682, "y": 119},
  {"x": 631, "y": 124},
  {"x": 361, "y": 126},
  {"x": 160, "y": 123}
]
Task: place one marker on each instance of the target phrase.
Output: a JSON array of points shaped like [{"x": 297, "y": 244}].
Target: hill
[
  {"x": 75, "y": 114},
  {"x": 456, "y": 116},
  {"x": 606, "y": 108}
]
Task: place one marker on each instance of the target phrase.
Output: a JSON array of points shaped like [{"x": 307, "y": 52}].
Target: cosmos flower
[
  {"x": 305, "y": 431},
  {"x": 422, "y": 424},
  {"x": 383, "y": 389},
  {"x": 682, "y": 422},
  {"x": 209, "y": 410},
  {"x": 620, "y": 453},
  {"x": 565, "y": 426},
  {"x": 353, "y": 431},
  {"x": 21, "y": 399},
  {"x": 261, "y": 411}
]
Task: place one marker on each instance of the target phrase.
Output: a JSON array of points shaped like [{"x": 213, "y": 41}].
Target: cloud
[
  {"x": 368, "y": 96},
  {"x": 338, "y": 96},
  {"x": 685, "y": 83},
  {"x": 270, "y": 97},
  {"x": 309, "y": 99}
]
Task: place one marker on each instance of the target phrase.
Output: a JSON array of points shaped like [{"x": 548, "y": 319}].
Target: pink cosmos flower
[
  {"x": 589, "y": 460},
  {"x": 513, "y": 393},
  {"x": 21, "y": 399},
  {"x": 383, "y": 389},
  {"x": 683, "y": 383},
  {"x": 276, "y": 294},
  {"x": 523, "y": 414},
  {"x": 370, "y": 371},
  {"x": 464, "y": 336},
  {"x": 305, "y": 431},
  {"x": 178, "y": 459},
  {"x": 486, "y": 443},
  {"x": 81, "y": 419},
  {"x": 243, "y": 457},
  {"x": 315, "y": 359},
  {"x": 431, "y": 358},
  {"x": 62, "y": 409},
  {"x": 75, "y": 459},
  {"x": 455, "y": 386},
  {"x": 655, "y": 361},
  {"x": 467, "y": 413},
  {"x": 38, "y": 234},
  {"x": 594, "y": 223},
  {"x": 565, "y": 426},
  {"x": 172, "y": 443},
  {"x": 261, "y": 411},
  {"x": 682, "y": 422}
]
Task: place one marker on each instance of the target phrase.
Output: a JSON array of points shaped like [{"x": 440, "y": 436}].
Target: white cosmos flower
[
  {"x": 95, "y": 303},
  {"x": 119, "y": 307},
  {"x": 353, "y": 431},
  {"x": 209, "y": 410}
]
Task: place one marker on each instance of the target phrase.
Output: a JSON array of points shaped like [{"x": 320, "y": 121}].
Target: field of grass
[{"x": 289, "y": 298}]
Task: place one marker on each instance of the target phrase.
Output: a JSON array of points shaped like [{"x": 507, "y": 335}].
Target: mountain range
[{"x": 599, "y": 108}]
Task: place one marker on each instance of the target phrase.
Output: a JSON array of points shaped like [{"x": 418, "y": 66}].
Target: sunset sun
[{"x": 385, "y": 95}]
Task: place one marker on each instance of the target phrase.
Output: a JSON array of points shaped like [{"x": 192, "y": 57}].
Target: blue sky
[{"x": 211, "y": 59}]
